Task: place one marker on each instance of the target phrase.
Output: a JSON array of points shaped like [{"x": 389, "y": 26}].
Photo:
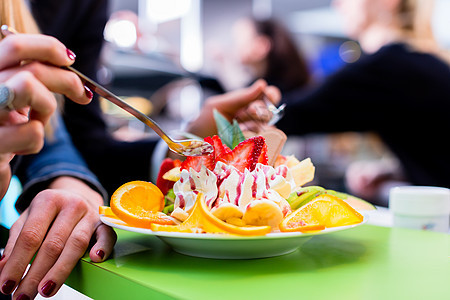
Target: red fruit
[
  {"x": 196, "y": 162},
  {"x": 246, "y": 154},
  {"x": 177, "y": 162},
  {"x": 220, "y": 149},
  {"x": 263, "y": 158},
  {"x": 163, "y": 184}
]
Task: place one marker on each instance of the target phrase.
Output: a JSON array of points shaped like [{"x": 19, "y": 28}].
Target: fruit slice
[
  {"x": 355, "y": 202},
  {"x": 227, "y": 211},
  {"x": 202, "y": 220},
  {"x": 220, "y": 149},
  {"x": 196, "y": 162},
  {"x": 163, "y": 184},
  {"x": 325, "y": 210},
  {"x": 302, "y": 172},
  {"x": 359, "y": 204},
  {"x": 139, "y": 203},
  {"x": 106, "y": 211},
  {"x": 245, "y": 155},
  {"x": 263, "y": 212},
  {"x": 263, "y": 157},
  {"x": 303, "y": 195},
  {"x": 301, "y": 226},
  {"x": 173, "y": 174}
]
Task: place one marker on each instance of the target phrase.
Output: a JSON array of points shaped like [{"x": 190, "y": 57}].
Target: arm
[
  {"x": 60, "y": 201},
  {"x": 242, "y": 103},
  {"x": 353, "y": 99}
]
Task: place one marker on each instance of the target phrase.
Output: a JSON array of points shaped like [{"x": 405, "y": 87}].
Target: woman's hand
[
  {"x": 57, "y": 227},
  {"x": 245, "y": 104},
  {"x": 30, "y": 69}
]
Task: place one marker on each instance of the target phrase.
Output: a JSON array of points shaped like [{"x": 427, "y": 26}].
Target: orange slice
[
  {"x": 106, "y": 210},
  {"x": 139, "y": 203},
  {"x": 322, "y": 212},
  {"x": 202, "y": 220}
]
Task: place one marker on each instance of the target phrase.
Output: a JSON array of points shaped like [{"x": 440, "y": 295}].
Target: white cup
[{"x": 420, "y": 207}]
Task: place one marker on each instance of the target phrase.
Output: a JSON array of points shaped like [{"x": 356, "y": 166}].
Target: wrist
[{"x": 77, "y": 186}]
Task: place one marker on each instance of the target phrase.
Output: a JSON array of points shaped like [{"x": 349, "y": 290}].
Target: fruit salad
[
  {"x": 239, "y": 188},
  {"x": 235, "y": 190}
]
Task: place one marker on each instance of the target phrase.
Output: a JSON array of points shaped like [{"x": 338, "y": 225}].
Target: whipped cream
[
  {"x": 190, "y": 184},
  {"x": 226, "y": 184}
]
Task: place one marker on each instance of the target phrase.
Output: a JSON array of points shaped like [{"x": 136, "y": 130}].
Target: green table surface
[{"x": 366, "y": 262}]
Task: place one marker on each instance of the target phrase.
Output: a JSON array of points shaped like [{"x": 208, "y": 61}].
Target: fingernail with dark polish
[
  {"x": 70, "y": 54},
  {"x": 48, "y": 288},
  {"x": 3, "y": 257},
  {"x": 8, "y": 287},
  {"x": 23, "y": 297},
  {"x": 100, "y": 253},
  {"x": 89, "y": 93}
]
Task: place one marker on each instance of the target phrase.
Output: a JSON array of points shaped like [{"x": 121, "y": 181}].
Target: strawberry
[
  {"x": 163, "y": 184},
  {"x": 243, "y": 156},
  {"x": 196, "y": 162},
  {"x": 246, "y": 154},
  {"x": 263, "y": 158},
  {"x": 177, "y": 162},
  {"x": 219, "y": 148}
]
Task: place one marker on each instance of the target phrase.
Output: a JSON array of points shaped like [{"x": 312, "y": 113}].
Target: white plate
[{"x": 228, "y": 246}]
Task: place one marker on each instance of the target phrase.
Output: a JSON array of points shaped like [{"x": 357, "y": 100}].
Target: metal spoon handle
[{"x": 108, "y": 95}]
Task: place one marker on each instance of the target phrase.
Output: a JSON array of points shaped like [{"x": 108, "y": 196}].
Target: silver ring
[{"x": 6, "y": 97}]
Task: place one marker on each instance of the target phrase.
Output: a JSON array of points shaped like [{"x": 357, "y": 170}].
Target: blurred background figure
[
  {"x": 406, "y": 24},
  {"x": 263, "y": 48},
  {"x": 395, "y": 91}
]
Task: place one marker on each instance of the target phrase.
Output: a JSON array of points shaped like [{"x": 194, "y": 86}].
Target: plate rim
[{"x": 221, "y": 237}]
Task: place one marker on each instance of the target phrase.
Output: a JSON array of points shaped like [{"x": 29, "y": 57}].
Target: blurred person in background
[
  {"x": 261, "y": 48},
  {"x": 60, "y": 197},
  {"x": 400, "y": 90},
  {"x": 267, "y": 49}
]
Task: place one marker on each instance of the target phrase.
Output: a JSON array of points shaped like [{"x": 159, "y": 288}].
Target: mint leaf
[
  {"x": 224, "y": 129},
  {"x": 230, "y": 134},
  {"x": 238, "y": 136}
]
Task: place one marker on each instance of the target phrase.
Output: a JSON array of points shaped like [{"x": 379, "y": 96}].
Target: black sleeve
[{"x": 349, "y": 100}]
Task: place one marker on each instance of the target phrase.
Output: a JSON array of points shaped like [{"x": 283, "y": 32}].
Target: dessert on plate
[{"x": 244, "y": 187}]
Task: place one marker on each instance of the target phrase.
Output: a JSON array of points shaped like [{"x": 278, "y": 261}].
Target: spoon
[{"x": 189, "y": 147}]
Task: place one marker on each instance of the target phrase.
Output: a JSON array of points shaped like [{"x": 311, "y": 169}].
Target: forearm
[{"x": 204, "y": 124}]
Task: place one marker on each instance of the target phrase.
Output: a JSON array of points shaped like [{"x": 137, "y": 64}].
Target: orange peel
[
  {"x": 139, "y": 203},
  {"x": 322, "y": 212},
  {"x": 202, "y": 220}
]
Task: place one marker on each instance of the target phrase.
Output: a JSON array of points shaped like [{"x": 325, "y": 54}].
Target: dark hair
[{"x": 286, "y": 68}]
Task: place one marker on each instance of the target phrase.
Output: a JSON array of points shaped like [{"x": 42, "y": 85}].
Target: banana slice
[
  {"x": 263, "y": 212},
  {"x": 227, "y": 211},
  {"x": 236, "y": 222}
]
